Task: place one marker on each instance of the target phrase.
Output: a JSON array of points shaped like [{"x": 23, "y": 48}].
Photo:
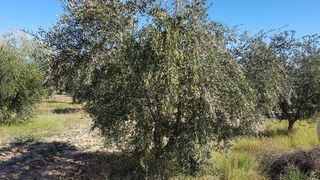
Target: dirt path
[
  {"x": 75, "y": 153},
  {"x": 59, "y": 160},
  {"x": 40, "y": 160},
  {"x": 62, "y": 156}
]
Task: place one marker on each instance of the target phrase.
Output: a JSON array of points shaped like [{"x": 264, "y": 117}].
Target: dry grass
[
  {"x": 56, "y": 144},
  {"x": 58, "y": 120},
  {"x": 242, "y": 161}
]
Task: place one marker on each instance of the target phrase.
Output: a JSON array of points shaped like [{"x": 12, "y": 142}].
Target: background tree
[
  {"x": 265, "y": 60},
  {"x": 20, "y": 80},
  {"x": 304, "y": 79},
  {"x": 167, "y": 91},
  {"x": 283, "y": 71}
]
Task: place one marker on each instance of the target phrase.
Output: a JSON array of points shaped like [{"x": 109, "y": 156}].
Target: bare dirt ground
[
  {"x": 62, "y": 156},
  {"x": 75, "y": 153},
  {"x": 59, "y": 160}
]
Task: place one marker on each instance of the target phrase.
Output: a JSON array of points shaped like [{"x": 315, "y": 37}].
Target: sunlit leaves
[{"x": 20, "y": 79}]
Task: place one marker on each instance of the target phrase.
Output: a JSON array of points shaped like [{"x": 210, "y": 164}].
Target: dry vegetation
[
  {"x": 243, "y": 160},
  {"x": 60, "y": 144},
  {"x": 57, "y": 120}
]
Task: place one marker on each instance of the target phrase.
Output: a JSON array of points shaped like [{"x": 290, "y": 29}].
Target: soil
[{"x": 74, "y": 154}]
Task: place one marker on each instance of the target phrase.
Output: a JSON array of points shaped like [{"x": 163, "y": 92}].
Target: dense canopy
[
  {"x": 164, "y": 82},
  {"x": 20, "y": 79}
]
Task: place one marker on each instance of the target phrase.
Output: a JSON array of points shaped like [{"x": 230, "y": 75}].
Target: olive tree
[
  {"x": 20, "y": 79},
  {"x": 159, "y": 83},
  {"x": 283, "y": 71},
  {"x": 304, "y": 81},
  {"x": 265, "y": 60}
]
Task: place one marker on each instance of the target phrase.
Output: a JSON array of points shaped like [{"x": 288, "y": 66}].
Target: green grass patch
[
  {"x": 40, "y": 127},
  {"x": 242, "y": 161},
  {"x": 45, "y": 124}
]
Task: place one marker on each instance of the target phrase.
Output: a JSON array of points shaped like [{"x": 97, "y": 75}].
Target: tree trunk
[
  {"x": 157, "y": 140},
  {"x": 175, "y": 130},
  {"x": 74, "y": 99},
  {"x": 291, "y": 123}
]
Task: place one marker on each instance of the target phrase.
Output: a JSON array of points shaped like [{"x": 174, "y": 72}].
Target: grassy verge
[
  {"x": 242, "y": 161},
  {"x": 46, "y": 123}
]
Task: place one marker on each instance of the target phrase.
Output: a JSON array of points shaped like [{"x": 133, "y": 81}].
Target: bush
[
  {"x": 296, "y": 164},
  {"x": 20, "y": 85}
]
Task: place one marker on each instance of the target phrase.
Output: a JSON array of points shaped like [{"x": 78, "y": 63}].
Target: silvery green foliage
[
  {"x": 20, "y": 80},
  {"x": 83, "y": 38},
  {"x": 159, "y": 83},
  {"x": 304, "y": 78},
  {"x": 283, "y": 71},
  {"x": 265, "y": 59}
]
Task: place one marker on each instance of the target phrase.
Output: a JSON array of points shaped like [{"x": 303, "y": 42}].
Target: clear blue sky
[
  {"x": 29, "y": 14},
  {"x": 254, "y": 15}
]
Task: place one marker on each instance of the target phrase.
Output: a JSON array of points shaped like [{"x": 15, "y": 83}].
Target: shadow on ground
[
  {"x": 58, "y": 160},
  {"x": 274, "y": 133},
  {"x": 66, "y": 110},
  {"x": 51, "y": 101}
]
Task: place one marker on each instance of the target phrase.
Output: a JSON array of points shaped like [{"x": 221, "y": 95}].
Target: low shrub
[{"x": 296, "y": 164}]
